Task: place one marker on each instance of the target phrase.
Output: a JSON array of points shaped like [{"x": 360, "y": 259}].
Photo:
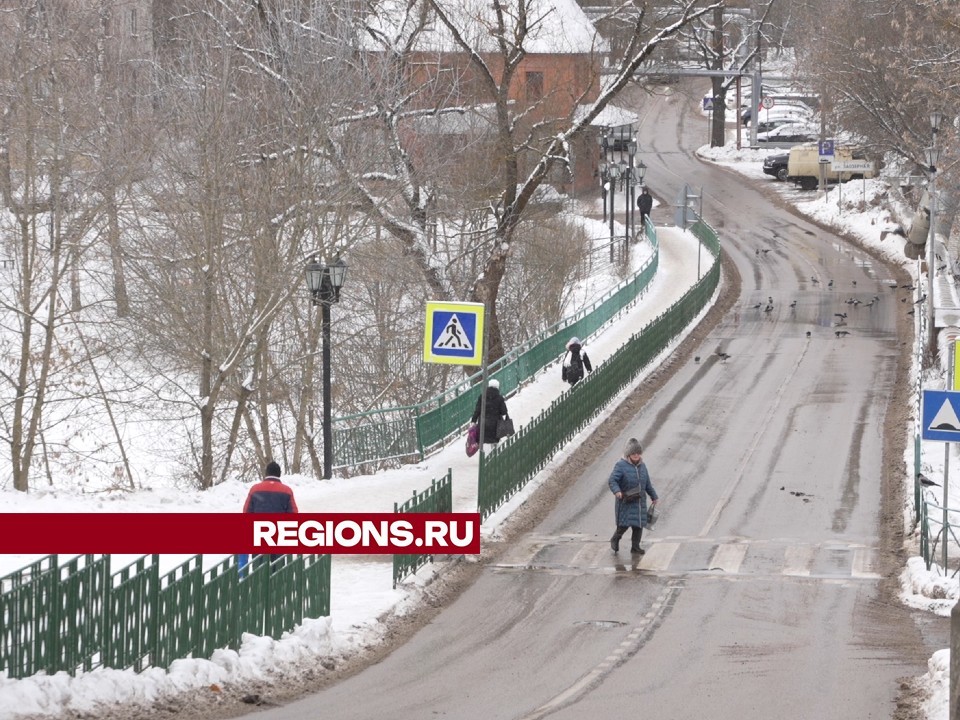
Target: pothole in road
[{"x": 604, "y": 624}]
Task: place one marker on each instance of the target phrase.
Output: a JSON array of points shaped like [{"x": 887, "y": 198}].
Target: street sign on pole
[
  {"x": 857, "y": 166},
  {"x": 825, "y": 150},
  {"x": 941, "y": 416},
  {"x": 453, "y": 333}
]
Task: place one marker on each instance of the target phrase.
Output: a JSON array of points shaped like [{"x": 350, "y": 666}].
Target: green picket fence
[
  {"x": 514, "y": 462},
  {"x": 78, "y": 615},
  {"x": 438, "y": 498},
  {"x": 414, "y": 430}
]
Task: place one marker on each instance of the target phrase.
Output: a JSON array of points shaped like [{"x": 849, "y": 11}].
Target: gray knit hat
[{"x": 633, "y": 448}]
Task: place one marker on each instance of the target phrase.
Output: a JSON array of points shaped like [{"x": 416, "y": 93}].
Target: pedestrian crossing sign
[
  {"x": 453, "y": 333},
  {"x": 941, "y": 416}
]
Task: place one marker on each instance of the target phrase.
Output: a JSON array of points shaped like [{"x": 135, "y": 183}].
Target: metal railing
[
  {"x": 438, "y": 498},
  {"x": 79, "y": 616},
  {"x": 934, "y": 534}
]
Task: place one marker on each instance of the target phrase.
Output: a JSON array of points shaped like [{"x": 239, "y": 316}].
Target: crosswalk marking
[
  {"x": 678, "y": 556},
  {"x": 797, "y": 560},
  {"x": 728, "y": 557},
  {"x": 659, "y": 556},
  {"x": 863, "y": 563}
]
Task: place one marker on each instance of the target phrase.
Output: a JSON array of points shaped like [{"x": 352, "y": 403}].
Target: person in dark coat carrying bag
[
  {"x": 495, "y": 410},
  {"x": 630, "y": 484},
  {"x": 575, "y": 362}
]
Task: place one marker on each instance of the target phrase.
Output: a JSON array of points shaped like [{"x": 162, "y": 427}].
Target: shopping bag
[
  {"x": 653, "y": 513},
  {"x": 504, "y": 428},
  {"x": 473, "y": 439}
]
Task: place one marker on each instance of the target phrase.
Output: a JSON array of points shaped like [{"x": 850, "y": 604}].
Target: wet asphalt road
[{"x": 761, "y": 593}]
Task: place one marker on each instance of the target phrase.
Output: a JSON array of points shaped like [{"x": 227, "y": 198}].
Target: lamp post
[
  {"x": 933, "y": 159},
  {"x": 631, "y": 191},
  {"x": 604, "y": 164},
  {"x": 641, "y": 171},
  {"x": 603, "y": 187},
  {"x": 613, "y": 172},
  {"x": 324, "y": 283}
]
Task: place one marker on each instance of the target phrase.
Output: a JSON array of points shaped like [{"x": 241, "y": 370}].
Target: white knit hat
[{"x": 494, "y": 383}]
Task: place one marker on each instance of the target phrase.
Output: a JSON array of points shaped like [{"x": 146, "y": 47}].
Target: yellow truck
[{"x": 849, "y": 163}]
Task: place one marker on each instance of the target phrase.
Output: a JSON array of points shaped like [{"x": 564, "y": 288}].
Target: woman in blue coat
[{"x": 629, "y": 474}]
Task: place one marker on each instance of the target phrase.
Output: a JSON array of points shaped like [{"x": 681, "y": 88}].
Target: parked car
[
  {"x": 789, "y": 133},
  {"x": 776, "y": 165},
  {"x": 766, "y": 125},
  {"x": 803, "y": 165}
]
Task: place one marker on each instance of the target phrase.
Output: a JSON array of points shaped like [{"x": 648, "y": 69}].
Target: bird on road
[
  {"x": 842, "y": 316},
  {"x": 723, "y": 356},
  {"x": 830, "y": 284},
  {"x": 842, "y": 333},
  {"x": 793, "y": 304},
  {"x": 757, "y": 306},
  {"x": 814, "y": 280}
]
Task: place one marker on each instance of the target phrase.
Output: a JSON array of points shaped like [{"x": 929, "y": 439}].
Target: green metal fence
[
  {"x": 438, "y": 498},
  {"x": 78, "y": 615},
  {"x": 412, "y": 431},
  {"x": 936, "y": 538},
  {"x": 514, "y": 462}
]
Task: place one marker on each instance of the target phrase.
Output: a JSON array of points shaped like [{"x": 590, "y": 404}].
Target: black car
[{"x": 776, "y": 165}]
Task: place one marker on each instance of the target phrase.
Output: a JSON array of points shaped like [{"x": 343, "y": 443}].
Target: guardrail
[
  {"x": 78, "y": 615},
  {"x": 438, "y": 498},
  {"x": 934, "y": 533}
]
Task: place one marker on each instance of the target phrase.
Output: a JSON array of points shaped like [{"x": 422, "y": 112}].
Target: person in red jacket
[{"x": 270, "y": 495}]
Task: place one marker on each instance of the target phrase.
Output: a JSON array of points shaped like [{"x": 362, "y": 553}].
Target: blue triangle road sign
[{"x": 941, "y": 416}]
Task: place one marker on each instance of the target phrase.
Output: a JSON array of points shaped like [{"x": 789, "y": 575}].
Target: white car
[{"x": 790, "y": 133}]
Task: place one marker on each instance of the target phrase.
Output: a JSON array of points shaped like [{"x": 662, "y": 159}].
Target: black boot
[
  {"x": 635, "y": 540},
  {"x": 615, "y": 540}
]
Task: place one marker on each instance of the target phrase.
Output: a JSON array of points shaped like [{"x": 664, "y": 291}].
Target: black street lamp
[
  {"x": 613, "y": 173},
  {"x": 324, "y": 283},
  {"x": 933, "y": 159},
  {"x": 630, "y": 198}
]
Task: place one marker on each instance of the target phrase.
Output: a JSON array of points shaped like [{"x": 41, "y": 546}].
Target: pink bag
[{"x": 473, "y": 439}]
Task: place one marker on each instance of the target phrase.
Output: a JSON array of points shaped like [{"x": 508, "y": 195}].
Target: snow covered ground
[{"x": 361, "y": 588}]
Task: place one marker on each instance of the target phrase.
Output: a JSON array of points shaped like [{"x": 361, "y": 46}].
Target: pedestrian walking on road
[{"x": 630, "y": 484}]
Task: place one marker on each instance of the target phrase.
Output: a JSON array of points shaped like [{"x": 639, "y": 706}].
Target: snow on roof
[
  {"x": 610, "y": 117},
  {"x": 554, "y": 26}
]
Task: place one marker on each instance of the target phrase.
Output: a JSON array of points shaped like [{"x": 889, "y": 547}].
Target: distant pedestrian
[
  {"x": 574, "y": 362},
  {"x": 644, "y": 205},
  {"x": 270, "y": 495},
  {"x": 496, "y": 409},
  {"x": 630, "y": 484}
]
